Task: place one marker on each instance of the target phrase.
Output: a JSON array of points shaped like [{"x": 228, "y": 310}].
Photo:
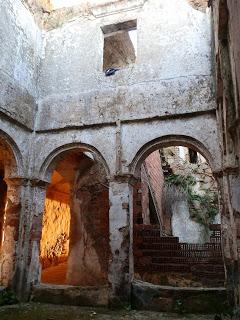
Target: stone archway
[
  {"x": 166, "y": 141},
  {"x": 158, "y": 230},
  {"x": 77, "y": 193}
]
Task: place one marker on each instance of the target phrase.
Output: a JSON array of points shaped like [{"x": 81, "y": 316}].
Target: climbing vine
[{"x": 203, "y": 207}]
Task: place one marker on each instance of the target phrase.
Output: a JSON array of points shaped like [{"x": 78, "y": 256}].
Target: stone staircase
[{"x": 156, "y": 254}]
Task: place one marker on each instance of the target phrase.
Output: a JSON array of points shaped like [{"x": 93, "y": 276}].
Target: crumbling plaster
[
  {"x": 20, "y": 48},
  {"x": 168, "y": 92},
  {"x": 174, "y": 77},
  {"x": 158, "y": 134}
]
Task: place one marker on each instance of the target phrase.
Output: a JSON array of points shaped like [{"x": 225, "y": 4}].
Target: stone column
[
  {"x": 10, "y": 230},
  {"x": 28, "y": 268},
  {"x": 121, "y": 240},
  {"x": 88, "y": 237}
]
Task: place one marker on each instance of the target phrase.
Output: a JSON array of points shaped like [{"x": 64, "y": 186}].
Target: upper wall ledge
[{"x": 50, "y": 18}]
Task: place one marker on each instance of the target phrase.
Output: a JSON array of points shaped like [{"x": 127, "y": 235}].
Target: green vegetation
[
  {"x": 7, "y": 297},
  {"x": 203, "y": 207}
]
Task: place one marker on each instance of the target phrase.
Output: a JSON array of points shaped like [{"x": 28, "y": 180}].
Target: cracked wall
[
  {"x": 226, "y": 26},
  {"x": 179, "y": 81},
  {"x": 20, "y": 50},
  {"x": 168, "y": 91},
  {"x": 89, "y": 229}
]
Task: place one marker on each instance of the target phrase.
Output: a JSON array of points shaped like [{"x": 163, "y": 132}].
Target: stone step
[
  {"x": 208, "y": 270},
  {"x": 71, "y": 295},
  {"x": 170, "y": 267},
  {"x": 178, "y": 253},
  {"x": 160, "y": 240},
  {"x": 148, "y": 296},
  {"x": 188, "y": 260}
]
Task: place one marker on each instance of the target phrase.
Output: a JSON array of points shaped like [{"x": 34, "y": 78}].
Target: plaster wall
[
  {"x": 183, "y": 227},
  {"x": 20, "y": 47},
  {"x": 174, "y": 77},
  {"x": 234, "y": 26},
  {"x": 168, "y": 91}
]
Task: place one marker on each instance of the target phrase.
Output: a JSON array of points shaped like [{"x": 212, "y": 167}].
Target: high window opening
[
  {"x": 120, "y": 45},
  {"x": 74, "y": 244},
  {"x": 177, "y": 232}
]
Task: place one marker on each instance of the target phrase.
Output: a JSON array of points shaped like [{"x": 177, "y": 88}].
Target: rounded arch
[
  {"x": 51, "y": 160},
  {"x": 12, "y": 155},
  {"x": 167, "y": 141}
]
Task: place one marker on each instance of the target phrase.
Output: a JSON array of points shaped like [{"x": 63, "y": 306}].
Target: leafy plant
[
  {"x": 203, "y": 207},
  {"x": 179, "y": 306},
  {"x": 7, "y": 297}
]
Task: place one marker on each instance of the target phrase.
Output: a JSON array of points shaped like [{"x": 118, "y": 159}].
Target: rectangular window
[{"x": 120, "y": 44}]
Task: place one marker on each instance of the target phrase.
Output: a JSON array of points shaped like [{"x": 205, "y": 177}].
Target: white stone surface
[{"x": 183, "y": 227}]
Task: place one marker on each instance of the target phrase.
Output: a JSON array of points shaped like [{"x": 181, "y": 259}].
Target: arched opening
[
  {"x": 9, "y": 210},
  {"x": 177, "y": 225},
  {"x": 75, "y": 229}
]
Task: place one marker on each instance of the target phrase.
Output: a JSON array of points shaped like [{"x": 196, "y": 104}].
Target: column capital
[
  {"x": 124, "y": 178},
  {"x": 36, "y": 182},
  {"x": 25, "y": 181},
  {"x": 15, "y": 181}
]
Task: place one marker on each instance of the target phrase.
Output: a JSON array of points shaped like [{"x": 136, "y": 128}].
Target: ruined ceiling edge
[{"x": 44, "y": 12}]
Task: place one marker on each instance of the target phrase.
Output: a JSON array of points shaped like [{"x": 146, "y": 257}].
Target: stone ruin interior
[
  {"x": 176, "y": 222},
  {"x": 119, "y": 153}
]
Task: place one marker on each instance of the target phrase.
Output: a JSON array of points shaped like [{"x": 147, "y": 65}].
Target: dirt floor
[{"x": 36, "y": 311}]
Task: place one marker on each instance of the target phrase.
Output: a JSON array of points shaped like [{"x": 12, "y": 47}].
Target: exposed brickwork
[
  {"x": 137, "y": 203},
  {"x": 154, "y": 172},
  {"x": 55, "y": 97},
  {"x": 156, "y": 255}
]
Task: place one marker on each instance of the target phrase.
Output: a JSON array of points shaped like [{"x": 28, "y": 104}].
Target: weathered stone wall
[
  {"x": 154, "y": 172},
  {"x": 227, "y": 48},
  {"x": 234, "y": 26},
  {"x": 55, "y": 233},
  {"x": 174, "y": 77},
  {"x": 189, "y": 223},
  {"x": 200, "y": 171},
  {"x": 89, "y": 229},
  {"x": 167, "y": 94},
  {"x": 20, "y": 47}
]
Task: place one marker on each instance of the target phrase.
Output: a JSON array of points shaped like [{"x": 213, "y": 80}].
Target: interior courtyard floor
[{"x": 37, "y": 311}]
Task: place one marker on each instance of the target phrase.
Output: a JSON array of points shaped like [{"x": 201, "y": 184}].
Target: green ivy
[{"x": 203, "y": 208}]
